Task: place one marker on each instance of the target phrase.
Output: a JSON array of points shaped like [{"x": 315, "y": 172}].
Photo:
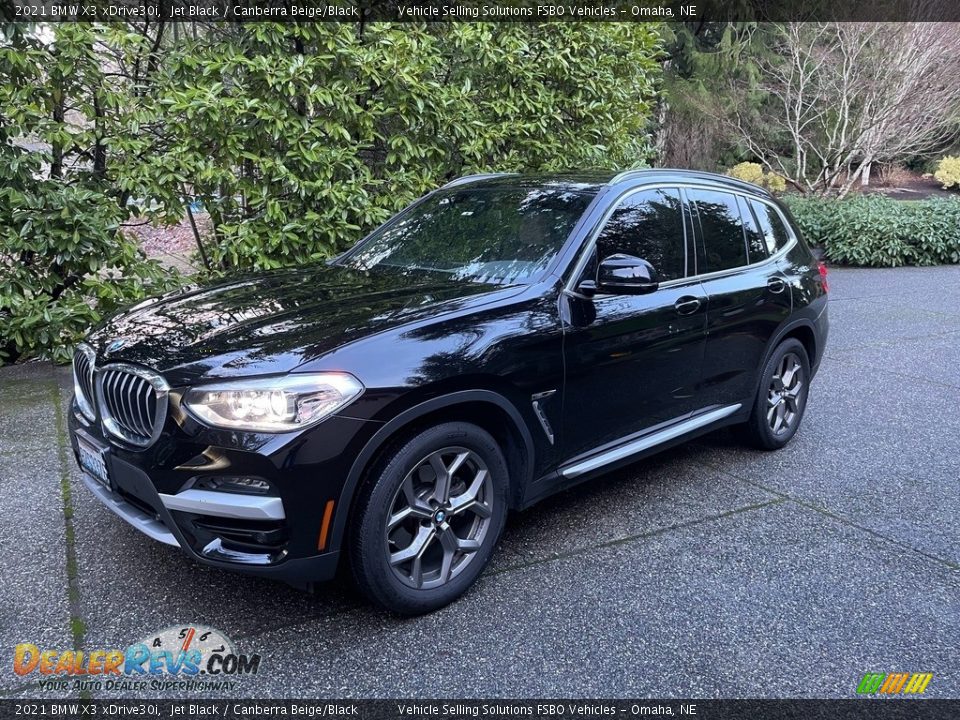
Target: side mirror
[{"x": 626, "y": 275}]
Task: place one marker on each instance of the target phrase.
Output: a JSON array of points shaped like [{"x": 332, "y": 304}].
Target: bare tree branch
[{"x": 842, "y": 96}]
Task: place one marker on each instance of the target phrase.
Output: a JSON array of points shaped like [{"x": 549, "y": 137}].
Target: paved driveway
[{"x": 709, "y": 571}]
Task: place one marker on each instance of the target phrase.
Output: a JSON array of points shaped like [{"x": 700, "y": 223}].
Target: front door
[{"x": 633, "y": 361}]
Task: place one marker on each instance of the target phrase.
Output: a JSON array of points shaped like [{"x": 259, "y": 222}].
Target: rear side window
[
  {"x": 756, "y": 244},
  {"x": 775, "y": 234},
  {"x": 722, "y": 229},
  {"x": 648, "y": 225}
]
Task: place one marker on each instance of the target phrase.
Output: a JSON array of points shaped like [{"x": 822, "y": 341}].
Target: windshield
[{"x": 497, "y": 235}]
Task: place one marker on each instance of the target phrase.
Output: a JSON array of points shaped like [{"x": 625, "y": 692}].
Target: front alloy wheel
[
  {"x": 439, "y": 517},
  {"x": 428, "y": 518}
]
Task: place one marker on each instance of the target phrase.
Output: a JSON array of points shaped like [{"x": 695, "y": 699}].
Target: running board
[{"x": 648, "y": 441}]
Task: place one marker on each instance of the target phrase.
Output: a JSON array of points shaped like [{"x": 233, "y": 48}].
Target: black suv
[{"x": 501, "y": 339}]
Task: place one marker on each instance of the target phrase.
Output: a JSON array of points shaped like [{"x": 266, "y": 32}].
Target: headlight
[{"x": 274, "y": 404}]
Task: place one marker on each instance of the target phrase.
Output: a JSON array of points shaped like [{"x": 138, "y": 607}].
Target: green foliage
[
  {"x": 713, "y": 68},
  {"x": 948, "y": 172},
  {"x": 298, "y": 139},
  {"x": 63, "y": 263},
  {"x": 873, "y": 230},
  {"x": 753, "y": 173}
]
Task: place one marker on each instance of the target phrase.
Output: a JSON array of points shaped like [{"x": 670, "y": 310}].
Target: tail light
[{"x": 822, "y": 269}]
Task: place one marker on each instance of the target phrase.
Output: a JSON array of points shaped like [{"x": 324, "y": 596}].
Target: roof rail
[
  {"x": 625, "y": 175},
  {"x": 679, "y": 175},
  {"x": 473, "y": 178}
]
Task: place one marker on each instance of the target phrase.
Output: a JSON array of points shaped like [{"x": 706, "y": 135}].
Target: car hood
[{"x": 274, "y": 322}]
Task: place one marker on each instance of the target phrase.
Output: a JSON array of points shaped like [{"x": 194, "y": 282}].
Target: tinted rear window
[
  {"x": 775, "y": 234},
  {"x": 756, "y": 244},
  {"x": 722, "y": 229}
]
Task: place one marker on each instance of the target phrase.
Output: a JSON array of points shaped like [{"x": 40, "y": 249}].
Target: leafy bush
[
  {"x": 295, "y": 138},
  {"x": 62, "y": 263},
  {"x": 948, "y": 172},
  {"x": 754, "y": 173},
  {"x": 876, "y": 231},
  {"x": 299, "y": 138}
]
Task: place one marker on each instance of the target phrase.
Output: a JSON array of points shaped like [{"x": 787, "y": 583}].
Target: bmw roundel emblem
[{"x": 115, "y": 345}]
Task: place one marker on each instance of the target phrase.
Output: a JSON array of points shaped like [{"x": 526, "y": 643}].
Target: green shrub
[
  {"x": 948, "y": 172},
  {"x": 296, "y": 138},
  {"x": 876, "y": 231},
  {"x": 64, "y": 265},
  {"x": 63, "y": 261},
  {"x": 754, "y": 173},
  {"x": 300, "y": 138}
]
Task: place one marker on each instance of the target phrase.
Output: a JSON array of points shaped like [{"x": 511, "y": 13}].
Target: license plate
[{"x": 91, "y": 460}]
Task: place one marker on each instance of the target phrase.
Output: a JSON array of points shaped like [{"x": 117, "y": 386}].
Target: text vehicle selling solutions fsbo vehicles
[{"x": 502, "y": 338}]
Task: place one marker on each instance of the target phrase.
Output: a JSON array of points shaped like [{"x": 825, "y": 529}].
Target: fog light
[{"x": 243, "y": 485}]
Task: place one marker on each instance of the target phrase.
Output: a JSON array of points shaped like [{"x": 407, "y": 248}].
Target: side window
[
  {"x": 774, "y": 233},
  {"x": 756, "y": 244},
  {"x": 648, "y": 225},
  {"x": 722, "y": 230}
]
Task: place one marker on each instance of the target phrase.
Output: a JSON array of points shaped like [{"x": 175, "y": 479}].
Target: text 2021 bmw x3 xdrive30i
[{"x": 500, "y": 339}]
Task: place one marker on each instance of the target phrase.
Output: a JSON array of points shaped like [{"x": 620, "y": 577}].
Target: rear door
[
  {"x": 747, "y": 294},
  {"x": 633, "y": 361}
]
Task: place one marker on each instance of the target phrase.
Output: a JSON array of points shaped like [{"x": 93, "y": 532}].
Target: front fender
[{"x": 404, "y": 420}]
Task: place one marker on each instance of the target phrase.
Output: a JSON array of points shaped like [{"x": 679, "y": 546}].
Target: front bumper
[
  {"x": 149, "y": 524},
  {"x": 276, "y": 536}
]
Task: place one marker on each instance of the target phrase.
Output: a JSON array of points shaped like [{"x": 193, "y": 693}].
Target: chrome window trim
[
  {"x": 588, "y": 247},
  {"x": 111, "y": 427},
  {"x": 783, "y": 221}
]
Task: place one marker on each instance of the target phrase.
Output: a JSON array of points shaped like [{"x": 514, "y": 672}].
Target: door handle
[
  {"x": 776, "y": 285},
  {"x": 687, "y": 305}
]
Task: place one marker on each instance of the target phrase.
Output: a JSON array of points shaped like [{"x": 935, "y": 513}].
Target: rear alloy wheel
[
  {"x": 428, "y": 521},
  {"x": 782, "y": 397}
]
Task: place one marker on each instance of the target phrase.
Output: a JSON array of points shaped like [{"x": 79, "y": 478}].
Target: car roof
[{"x": 597, "y": 180}]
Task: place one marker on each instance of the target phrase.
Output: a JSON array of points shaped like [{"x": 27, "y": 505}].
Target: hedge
[
  {"x": 876, "y": 231},
  {"x": 296, "y": 138}
]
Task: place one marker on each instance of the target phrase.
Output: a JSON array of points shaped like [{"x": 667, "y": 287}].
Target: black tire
[
  {"x": 408, "y": 484},
  {"x": 761, "y": 429}
]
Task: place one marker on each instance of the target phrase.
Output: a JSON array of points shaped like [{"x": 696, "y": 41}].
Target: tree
[
  {"x": 842, "y": 96},
  {"x": 702, "y": 60},
  {"x": 298, "y": 138},
  {"x": 63, "y": 260}
]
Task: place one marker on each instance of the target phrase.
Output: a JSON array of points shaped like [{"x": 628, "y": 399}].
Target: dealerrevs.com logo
[
  {"x": 894, "y": 683},
  {"x": 192, "y": 657}
]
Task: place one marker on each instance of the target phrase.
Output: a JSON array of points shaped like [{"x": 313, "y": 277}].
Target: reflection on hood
[{"x": 276, "y": 321}]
